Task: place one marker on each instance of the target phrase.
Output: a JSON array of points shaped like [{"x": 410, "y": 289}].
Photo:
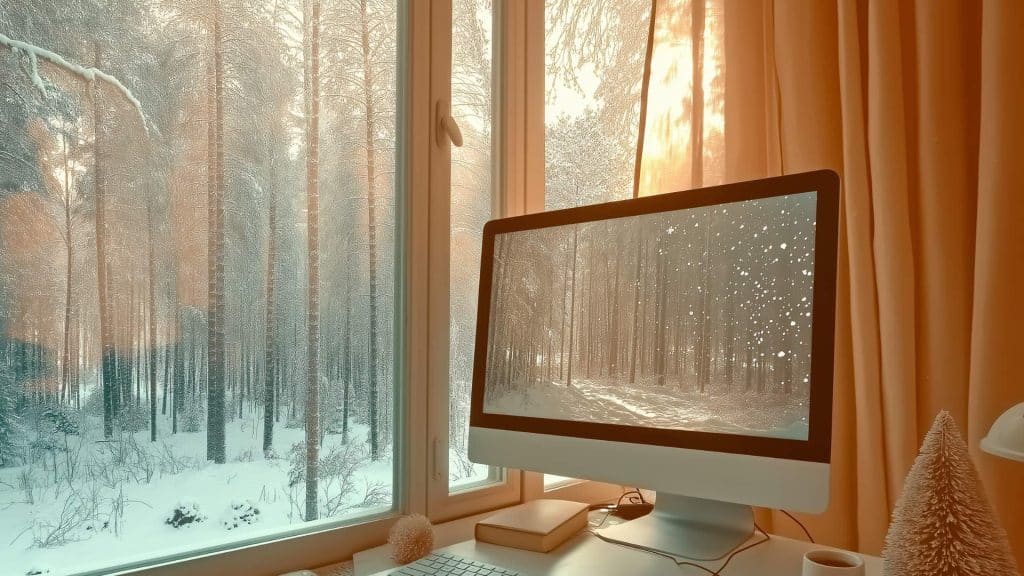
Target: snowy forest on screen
[{"x": 696, "y": 319}]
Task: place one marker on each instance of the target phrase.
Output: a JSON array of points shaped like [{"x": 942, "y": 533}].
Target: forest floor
[
  {"x": 649, "y": 405},
  {"x": 110, "y": 500}
]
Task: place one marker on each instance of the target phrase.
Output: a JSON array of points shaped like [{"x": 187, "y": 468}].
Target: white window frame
[{"x": 442, "y": 503}]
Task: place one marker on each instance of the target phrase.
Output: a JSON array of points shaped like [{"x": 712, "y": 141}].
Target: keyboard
[{"x": 446, "y": 564}]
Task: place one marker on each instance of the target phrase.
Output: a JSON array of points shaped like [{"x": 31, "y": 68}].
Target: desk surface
[{"x": 588, "y": 554}]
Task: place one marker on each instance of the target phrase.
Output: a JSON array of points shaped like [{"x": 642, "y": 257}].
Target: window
[
  {"x": 197, "y": 275},
  {"x": 471, "y": 206},
  {"x": 593, "y": 75}
]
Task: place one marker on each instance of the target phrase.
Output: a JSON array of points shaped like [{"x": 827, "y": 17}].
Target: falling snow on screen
[{"x": 695, "y": 319}]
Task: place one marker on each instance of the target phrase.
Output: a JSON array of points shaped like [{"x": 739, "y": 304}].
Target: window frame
[{"x": 442, "y": 503}]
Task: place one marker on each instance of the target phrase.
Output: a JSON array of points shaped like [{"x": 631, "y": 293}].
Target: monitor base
[{"x": 691, "y": 528}]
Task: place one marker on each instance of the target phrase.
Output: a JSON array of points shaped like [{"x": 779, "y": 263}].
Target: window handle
[{"x": 447, "y": 127}]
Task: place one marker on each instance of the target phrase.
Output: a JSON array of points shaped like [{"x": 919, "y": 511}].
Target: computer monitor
[{"x": 681, "y": 343}]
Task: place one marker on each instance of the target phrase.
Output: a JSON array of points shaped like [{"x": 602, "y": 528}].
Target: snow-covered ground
[
  {"x": 649, "y": 405},
  {"x": 113, "y": 509}
]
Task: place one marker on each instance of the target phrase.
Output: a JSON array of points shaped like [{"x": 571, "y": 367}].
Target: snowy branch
[{"x": 34, "y": 53}]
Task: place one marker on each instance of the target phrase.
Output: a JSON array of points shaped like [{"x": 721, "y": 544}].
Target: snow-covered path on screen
[{"x": 650, "y": 405}]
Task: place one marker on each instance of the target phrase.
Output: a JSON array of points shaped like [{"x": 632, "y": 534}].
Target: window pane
[
  {"x": 470, "y": 209},
  {"x": 594, "y": 71},
  {"x": 196, "y": 274}
]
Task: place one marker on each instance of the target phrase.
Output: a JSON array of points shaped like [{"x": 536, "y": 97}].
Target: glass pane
[
  {"x": 196, "y": 275},
  {"x": 470, "y": 209},
  {"x": 593, "y": 75},
  {"x": 594, "y": 71}
]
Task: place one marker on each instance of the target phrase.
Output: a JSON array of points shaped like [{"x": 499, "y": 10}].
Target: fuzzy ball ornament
[
  {"x": 411, "y": 538},
  {"x": 942, "y": 524}
]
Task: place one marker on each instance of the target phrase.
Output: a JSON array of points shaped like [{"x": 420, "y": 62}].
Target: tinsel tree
[{"x": 943, "y": 525}]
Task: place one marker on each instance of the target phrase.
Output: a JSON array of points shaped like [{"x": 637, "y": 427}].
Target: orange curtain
[{"x": 919, "y": 106}]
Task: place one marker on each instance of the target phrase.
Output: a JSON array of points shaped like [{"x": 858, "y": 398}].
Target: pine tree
[
  {"x": 8, "y": 419},
  {"x": 943, "y": 525}
]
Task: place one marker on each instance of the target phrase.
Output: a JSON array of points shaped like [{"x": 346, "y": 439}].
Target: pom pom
[{"x": 411, "y": 538}]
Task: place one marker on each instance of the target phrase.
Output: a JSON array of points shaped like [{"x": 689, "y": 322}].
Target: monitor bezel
[{"x": 817, "y": 447}]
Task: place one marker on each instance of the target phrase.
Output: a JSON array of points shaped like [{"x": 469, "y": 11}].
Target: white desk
[{"x": 588, "y": 555}]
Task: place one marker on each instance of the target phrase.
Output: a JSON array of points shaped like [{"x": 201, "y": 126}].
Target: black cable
[
  {"x": 801, "y": 525},
  {"x": 634, "y": 495}
]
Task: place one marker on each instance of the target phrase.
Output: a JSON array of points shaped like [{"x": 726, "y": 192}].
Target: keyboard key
[{"x": 448, "y": 564}]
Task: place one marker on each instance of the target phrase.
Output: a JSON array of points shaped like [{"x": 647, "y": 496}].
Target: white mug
[{"x": 832, "y": 563}]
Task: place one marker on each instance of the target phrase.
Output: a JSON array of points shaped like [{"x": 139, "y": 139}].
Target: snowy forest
[
  {"x": 695, "y": 319},
  {"x": 197, "y": 269}
]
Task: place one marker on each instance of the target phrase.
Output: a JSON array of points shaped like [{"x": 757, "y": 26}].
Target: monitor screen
[{"x": 695, "y": 319}]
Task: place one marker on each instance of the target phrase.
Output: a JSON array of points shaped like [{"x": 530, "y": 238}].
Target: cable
[
  {"x": 765, "y": 537},
  {"x": 801, "y": 525},
  {"x": 635, "y": 497}
]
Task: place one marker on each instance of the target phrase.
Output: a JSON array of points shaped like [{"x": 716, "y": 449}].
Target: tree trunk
[
  {"x": 697, "y": 114},
  {"x": 572, "y": 301},
  {"x": 613, "y": 330},
  {"x": 109, "y": 382},
  {"x": 372, "y": 227},
  {"x": 152, "y": 326},
  {"x": 215, "y": 441},
  {"x": 313, "y": 239},
  {"x": 637, "y": 284},
  {"x": 346, "y": 370},
  {"x": 66, "y": 361},
  {"x": 561, "y": 331},
  {"x": 660, "y": 344},
  {"x": 706, "y": 313},
  {"x": 167, "y": 369},
  {"x": 270, "y": 351}
]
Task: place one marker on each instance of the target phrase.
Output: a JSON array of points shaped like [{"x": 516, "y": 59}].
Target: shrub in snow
[
  {"x": 37, "y": 571},
  {"x": 193, "y": 418},
  {"x": 337, "y": 468},
  {"x": 240, "y": 513},
  {"x": 60, "y": 419},
  {"x": 185, "y": 514},
  {"x": 132, "y": 418}
]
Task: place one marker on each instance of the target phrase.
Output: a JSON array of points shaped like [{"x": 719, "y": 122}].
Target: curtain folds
[{"x": 918, "y": 107}]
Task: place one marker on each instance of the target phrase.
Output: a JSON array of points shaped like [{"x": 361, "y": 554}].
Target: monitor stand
[{"x": 691, "y": 528}]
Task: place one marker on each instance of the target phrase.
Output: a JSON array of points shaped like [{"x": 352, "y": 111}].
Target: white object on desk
[
  {"x": 588, "y": 555},
  {"x": 1006, "y": 437}
]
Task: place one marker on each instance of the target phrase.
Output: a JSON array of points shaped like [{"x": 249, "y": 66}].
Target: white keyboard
[{"x": 446, "y": 564}]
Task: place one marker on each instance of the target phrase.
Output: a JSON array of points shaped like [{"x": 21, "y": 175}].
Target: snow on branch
[{"x": 34, "y": 53}]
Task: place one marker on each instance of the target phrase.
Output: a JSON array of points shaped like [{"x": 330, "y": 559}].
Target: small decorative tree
[{"x": 943, "y": 524}]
